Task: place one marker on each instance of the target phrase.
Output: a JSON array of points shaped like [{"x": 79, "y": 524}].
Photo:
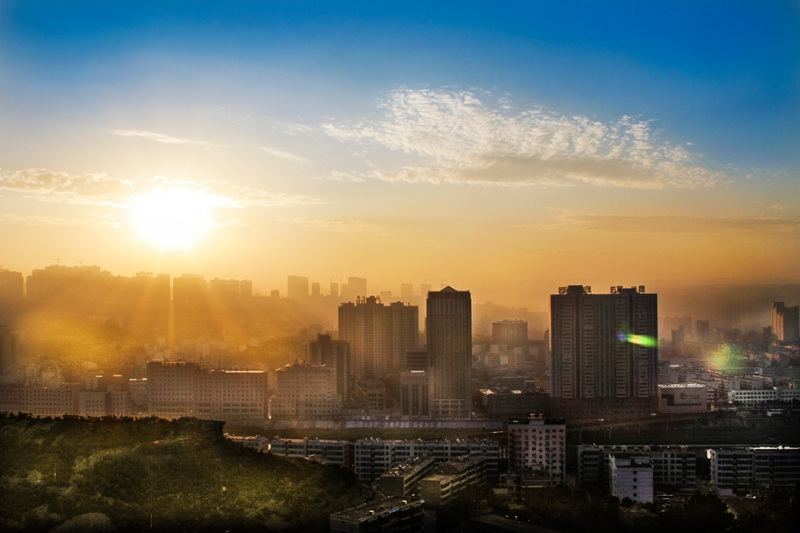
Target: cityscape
[{"x": 436, "y": 267}]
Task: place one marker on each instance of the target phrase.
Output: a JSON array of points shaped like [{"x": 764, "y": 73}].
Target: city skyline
[{"x": 508, "y": 150}]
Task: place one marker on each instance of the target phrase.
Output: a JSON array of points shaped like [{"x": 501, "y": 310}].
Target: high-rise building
[
  {"x": 297, "y": 287},
  {"x": 785, "y": 322},
  {"x": 333, "y": 354},
  {"x": 379, "y": 335},
  {"x": 449, "y": 332},
  {"x": 510, "y": 333},
  {"x": 604, "y": 354}
]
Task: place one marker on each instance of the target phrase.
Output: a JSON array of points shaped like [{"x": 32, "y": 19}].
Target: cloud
[
  {"x": 338, "y": 225},
  {"x": 160, "y": 137},
  {"x": 101, "y": 189},
  {"x": 91, "y": 221},
  {"x": 460, "y": 139},
  {"x": 677, "y": 223},
  {"x": 283, "y": 155}
]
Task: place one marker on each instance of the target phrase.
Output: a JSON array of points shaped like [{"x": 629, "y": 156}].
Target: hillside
[{"x": 121, "y": 474}]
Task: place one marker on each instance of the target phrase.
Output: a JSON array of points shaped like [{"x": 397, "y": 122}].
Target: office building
[
  {"x": 538, "y": 445},
  {"x": 678, "y": 398},
  {"x": 786, "y": 322},
  {"x": 305, "y": 391},
  {"x": 449, "y": 333},
  {"x": 379, "y": 335},
  {"x": 184, "y": 388},
  {"x": 604, "y": 358}
]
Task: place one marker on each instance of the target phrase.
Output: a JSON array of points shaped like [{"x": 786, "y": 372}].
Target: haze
[{"x": 507, "y": 150}]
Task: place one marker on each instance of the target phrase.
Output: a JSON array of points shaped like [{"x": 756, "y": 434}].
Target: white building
[
  {"x": 631, "y": 476},
  {"x": 539, "y": 445},
  {"x": 305, "y": 391},
  {"x": 767, "y": 395},
  {"x": 179, "y": 388},
  {"x": 683, "y": 398}
]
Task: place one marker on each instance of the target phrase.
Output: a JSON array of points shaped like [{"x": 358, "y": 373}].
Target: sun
[{"x": 172, "y": 219}]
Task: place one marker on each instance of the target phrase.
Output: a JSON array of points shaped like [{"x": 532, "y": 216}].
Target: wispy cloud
[
  {"x": 101, "y": 189},
  {"x": 460, "y": 139},
  {"x": 283, "y": 155},
  {"x": 160, "y": 137},
  {"x": 90, "y": 221},
  {"x": 675, "y": 223},
  {"x": 338, "y": 225}
]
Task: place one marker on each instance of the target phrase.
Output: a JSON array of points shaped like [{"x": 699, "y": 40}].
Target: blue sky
[{"x": 687, "y": 111}]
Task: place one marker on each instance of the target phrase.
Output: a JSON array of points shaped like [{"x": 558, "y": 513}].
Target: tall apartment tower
[
  {"x": 449, "y": 330},
  {"x": 604, "y": 356},
  {"x": 785, "y": 322},
  {"x": 379, "y": 335}
]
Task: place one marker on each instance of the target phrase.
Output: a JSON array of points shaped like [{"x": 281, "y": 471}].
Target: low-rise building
[
  {"x": 338, "y": 452},
  {"x": 403, "y": 479},
  {"x": 771, "y": 468},
  {"x": 373, "y": 457},
  {"x": 391, "y": 514},
  {"x": 674, "y": 467},
  {"x": 630, "y": 476},
  {"x": 683, "y": 398},
  {"x": 453, "y": 479}
]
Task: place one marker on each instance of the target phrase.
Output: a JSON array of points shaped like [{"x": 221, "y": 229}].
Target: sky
[{"x": 507, "y": 149}]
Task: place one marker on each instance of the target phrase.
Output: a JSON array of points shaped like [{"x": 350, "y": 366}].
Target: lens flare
[
  {"x": 727, "y": 359},
  {"x": 640, "y": 340}
]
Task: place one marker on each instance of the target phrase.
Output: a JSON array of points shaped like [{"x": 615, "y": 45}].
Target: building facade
[
  {"x": 538, "y": 445},
  {"x": 183, "y": 388},
  {"x": 449, "y": 331},
  {"x": 785, "y": 322},
  {"x": 379, "y": 335},
  {"x": 604, "y": 358},
  {"x": 305, "y": 391}
]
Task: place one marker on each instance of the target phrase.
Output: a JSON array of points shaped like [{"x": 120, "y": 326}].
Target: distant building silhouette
[
  {"x": 449, "y": 332},
  {"x": 604, "y": 353},
  {"x": 296, "y": 287},
  {"x": 785, "y": 322},
  {"x": 510, "y": 333}
]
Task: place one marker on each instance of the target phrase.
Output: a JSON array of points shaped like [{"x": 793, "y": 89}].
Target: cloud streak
[
  {"x": 101, "y": 189},
  {"x": 461, "y": 139},
  {"x": 677, "y": 223},
  {"x": 160, "y": 137},
  {"x": 88, "y": 222}
]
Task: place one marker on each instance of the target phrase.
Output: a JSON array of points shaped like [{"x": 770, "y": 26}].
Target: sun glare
[{"x": 172, "y": 219}]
